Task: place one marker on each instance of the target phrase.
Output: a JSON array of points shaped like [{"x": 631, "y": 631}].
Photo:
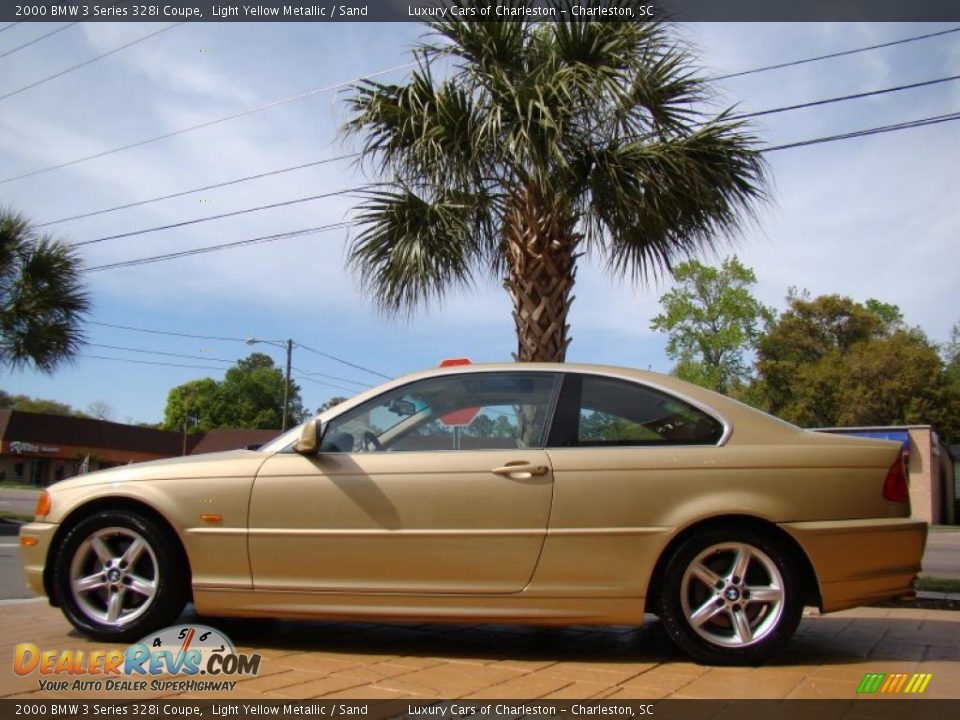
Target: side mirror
[{"x": 310, "y": 437}]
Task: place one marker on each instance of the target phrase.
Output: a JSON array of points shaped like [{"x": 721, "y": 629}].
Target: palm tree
[
  {"x": 515, "y": 147},
  {"x": 42, "y": 302}
]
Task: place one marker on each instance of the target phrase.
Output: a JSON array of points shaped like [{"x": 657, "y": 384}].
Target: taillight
[
  {"x": 895, "y": 488},
  {"x": 43, "y": 505}
]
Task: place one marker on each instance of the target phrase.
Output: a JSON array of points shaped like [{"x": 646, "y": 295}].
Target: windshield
[{"x": 279, "y": 443}]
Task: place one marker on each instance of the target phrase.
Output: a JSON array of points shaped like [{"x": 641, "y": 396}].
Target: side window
[
  {"x": 617, "y": 412},
  {"x": 471, "y": 411}
]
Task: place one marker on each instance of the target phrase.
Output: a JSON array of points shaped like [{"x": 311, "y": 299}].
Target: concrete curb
[{"x": 927, "y": 595}]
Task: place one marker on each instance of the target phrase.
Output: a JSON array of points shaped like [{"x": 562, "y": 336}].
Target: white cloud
[{"x": 874, "y": 217}]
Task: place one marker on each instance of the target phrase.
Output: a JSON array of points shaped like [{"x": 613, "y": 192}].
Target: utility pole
[
  {"x": 286, "y": 388},
  {"x": 288, "y": 346}
]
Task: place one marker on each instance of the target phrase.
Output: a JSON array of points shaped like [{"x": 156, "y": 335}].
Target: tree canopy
[
  {"x": 26, "y": 403},
  {"x": 712, "y": 322},
  {"x": 831, "y": 361},
  {"x": 42, "y": 300},
  {"x": 534, "y": 143},
  {"x": 249, "y": 396}
]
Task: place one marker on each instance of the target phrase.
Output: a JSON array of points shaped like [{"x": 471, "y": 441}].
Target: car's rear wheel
[
  {"x": 119, "y": 575},
  {"x": 730, "y": 597}
]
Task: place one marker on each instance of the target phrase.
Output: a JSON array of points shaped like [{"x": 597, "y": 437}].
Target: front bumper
[
  {"x": 34, "y": 556},
  {"x": 858, "y": 562}
]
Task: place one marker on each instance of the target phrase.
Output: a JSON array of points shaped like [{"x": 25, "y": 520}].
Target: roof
[
  {"x": 232, "y": 439},
  {"x": 87, "y": 432}
]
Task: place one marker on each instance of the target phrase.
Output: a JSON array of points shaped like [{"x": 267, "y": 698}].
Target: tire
[
  {"x": 119, "y": 575},
  {"x": 720, "y": 615}
]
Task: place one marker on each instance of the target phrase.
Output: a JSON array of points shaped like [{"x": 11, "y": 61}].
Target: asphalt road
[
  {"x": 18, "y": 501},
  {"x": 942, "y": 557},
  {"x": 12, "y": 582}
]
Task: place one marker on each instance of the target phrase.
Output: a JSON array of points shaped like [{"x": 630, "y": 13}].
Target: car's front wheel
[
  {"x": 118, "y": 576},
  {"x": 730, "y": 597}
]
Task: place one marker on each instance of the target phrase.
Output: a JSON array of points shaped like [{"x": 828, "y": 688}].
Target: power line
[
  {"x": 842, "y": 53},
  {"x": 151, "y": 362},
  {"x": 306, "y": 373},
  {"x": 842, "y": 98},
  {"x": 195, "y": 336},
  {"x": 221, "y": 246},
  {"x": 739, "y": 116},
  {"x": 350, "y": 155},
  {"x": 329, "y": 377},
  {"x": 208, "y": 123},
  {"x": 87, "y": 62},
  {"x": 310, "y": 93},
  {"x": 165, "y": 332},
  {"x": 269, "y": 173},
  {"x": 160, "y": 352},
  {"x": 7, "y": 27},
  {"x": 36, "y": 40},
  {"x": 234, "y": 213},
  {"x": 922, "y": 122},
  {"x": 353, "y": 391},
  {"x": 346, "y": 156},
  {"x": 344, "y": 362}
]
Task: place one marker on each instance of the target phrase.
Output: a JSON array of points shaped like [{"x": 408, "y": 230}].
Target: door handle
[{"x": 520, "y": 471}]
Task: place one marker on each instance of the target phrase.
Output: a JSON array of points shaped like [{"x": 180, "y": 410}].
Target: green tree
[
  {"x": 26, "y": 403},
  {"x": 249, "y": 396},
  {"x": 195, "y": 404},
  {"x": 951, "y": 354},
  {"x": 535, "y": 143},
  {"x": 335, "y": 400},
  {"x": 42, "y": 301},
  {"x": 712, "y": 322},
  {"x": 830, "y": 361}
]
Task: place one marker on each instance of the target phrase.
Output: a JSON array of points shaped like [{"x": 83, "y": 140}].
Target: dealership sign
[{"x": 19, "y": 446}]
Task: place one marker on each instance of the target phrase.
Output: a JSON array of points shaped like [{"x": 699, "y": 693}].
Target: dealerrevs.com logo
[{"x": 196, "y": 657}]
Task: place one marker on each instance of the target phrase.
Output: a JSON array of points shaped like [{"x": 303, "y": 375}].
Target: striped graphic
[{"x": 904, "y": 683}]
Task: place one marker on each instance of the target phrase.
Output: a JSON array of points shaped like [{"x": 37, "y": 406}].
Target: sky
[{"x": 871, "y": 217}]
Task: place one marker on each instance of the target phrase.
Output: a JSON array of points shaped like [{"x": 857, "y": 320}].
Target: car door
[
  {"x": 439, "y": 486},
  {"x": 625, "y": 456}
]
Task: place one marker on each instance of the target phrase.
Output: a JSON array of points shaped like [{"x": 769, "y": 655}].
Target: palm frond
[
  {"x": 413, "y": 249},
  {"x": 42, "y": 301},
  {"x": 654, "y": 202}
]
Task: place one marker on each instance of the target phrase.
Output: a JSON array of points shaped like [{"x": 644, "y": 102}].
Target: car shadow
[{"x": 830, "y": 640}]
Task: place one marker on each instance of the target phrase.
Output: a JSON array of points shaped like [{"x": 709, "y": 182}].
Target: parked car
[{"x": 510, "y": 493}]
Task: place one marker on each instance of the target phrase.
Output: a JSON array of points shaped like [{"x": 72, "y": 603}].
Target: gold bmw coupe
[{"x": 510, "y": 493}]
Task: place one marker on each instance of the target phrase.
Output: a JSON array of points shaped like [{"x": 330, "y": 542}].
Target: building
[
  {"x": 232, "y": 439},
  {"x": 930, "y": 468},
  {"x": 40, "y": 449}
]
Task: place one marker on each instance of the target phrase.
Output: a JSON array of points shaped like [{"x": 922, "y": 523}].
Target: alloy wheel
[
  {"x": 114, "y": 576},
  {"x": 732, "y": 595}
]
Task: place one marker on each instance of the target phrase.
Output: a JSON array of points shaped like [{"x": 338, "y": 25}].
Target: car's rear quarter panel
[{"x": 615, "y": 510}]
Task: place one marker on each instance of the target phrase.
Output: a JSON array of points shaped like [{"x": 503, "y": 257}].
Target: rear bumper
[
  {"x": 34, "y": 556},
  {"x": 858, "y": 562}
]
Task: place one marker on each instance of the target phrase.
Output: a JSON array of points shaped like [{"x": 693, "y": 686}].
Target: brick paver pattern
[{"x": 827, "y": 659}]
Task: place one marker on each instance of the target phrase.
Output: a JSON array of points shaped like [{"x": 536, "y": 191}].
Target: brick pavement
[{"x": 827, "y": 659}]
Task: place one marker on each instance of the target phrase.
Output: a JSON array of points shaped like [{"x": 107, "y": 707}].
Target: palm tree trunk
[{"x": 541, "y": 259}]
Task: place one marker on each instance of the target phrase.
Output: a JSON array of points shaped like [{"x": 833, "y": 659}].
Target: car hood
[{"x": 233, "y": 463}]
